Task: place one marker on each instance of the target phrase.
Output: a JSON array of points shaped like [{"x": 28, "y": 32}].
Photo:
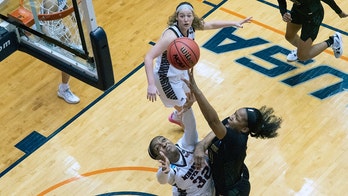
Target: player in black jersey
[
  {"x": 227, "y": 144},
  {"x": 307, "y": 16}
]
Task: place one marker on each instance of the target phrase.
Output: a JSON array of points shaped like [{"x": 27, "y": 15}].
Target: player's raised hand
[
  {"x": 165, "y": 164},
  {"x": 199, "y": 157}
]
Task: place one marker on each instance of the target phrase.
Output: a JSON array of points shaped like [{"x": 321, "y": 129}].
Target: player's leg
[
  {"x": 307, "y": 51},
  {"x": 337, "y": 45},
  {"x": 291, "y": 35},
  {"x": 64, "y": 91},
  {"x": 242, "y": 186},
  {"x": 172, "y": 95},
  {"x": 182, "y": 91},
  {"x": 309, "y": 32}
]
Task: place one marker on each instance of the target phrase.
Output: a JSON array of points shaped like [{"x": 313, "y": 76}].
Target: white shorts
[{"x": 172, "y": 90}]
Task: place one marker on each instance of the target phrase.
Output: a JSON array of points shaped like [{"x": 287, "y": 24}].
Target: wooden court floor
[{"x": 99, "y": 146}]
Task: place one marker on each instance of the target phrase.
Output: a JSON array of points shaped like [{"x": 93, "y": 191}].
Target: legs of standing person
[{"x": 64, "y": 91}]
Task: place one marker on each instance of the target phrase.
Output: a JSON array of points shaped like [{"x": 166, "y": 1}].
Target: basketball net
[{"x": 56, "y": 20}]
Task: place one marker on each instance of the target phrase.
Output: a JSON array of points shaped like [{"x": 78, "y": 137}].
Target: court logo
[{"x": 278, "y": 67}]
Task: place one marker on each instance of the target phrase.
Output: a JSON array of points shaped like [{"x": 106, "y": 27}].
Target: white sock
[{"x": 63, "y": 86}]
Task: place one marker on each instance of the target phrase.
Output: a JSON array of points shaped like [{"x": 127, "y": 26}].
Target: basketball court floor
[{"x": 99, "y": 146}]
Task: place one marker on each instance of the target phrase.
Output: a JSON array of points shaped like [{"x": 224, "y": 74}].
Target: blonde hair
[{"x": 198, "y": 23}]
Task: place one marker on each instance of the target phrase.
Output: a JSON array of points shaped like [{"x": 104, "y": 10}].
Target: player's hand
[
  {"x": 342, "y": 15},
  {"x": 199, "y": 157},
  {"x": 165, "y": 164},
  {"x": 287, "y": 17},
  {"x": 192, "y": 83},
  {"x": 151, "y": 93},
  {"x": 246, "y": 20},
  {"x": 190, "y": 99}
]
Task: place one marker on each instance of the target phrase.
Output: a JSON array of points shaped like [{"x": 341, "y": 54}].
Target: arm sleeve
[
  {"x": 190, "y": 137},
  {"x": 333, "y": 6},
  {"x": 163, "y": 178},
  {"x": 282, "y": 6}
]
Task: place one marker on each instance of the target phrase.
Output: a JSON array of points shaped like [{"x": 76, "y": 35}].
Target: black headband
[
  {"x": 151, "y": 152},
  {"x": 254, "y": 119}
]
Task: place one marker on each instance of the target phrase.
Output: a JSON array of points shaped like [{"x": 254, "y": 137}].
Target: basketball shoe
[
  {"x": 175, "y": 118},
  {"x": 67, "y": 95},
  {"x": 292, "y": 56},
  {"x": 337, "y": 46}
]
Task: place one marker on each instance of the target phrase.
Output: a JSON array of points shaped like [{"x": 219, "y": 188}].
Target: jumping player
[
  {"x": 227, "y": 143},
  {"x": 308, "y": 16}
]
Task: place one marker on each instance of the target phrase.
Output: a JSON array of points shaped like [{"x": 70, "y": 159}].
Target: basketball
[{"x": 183, "y": 53}]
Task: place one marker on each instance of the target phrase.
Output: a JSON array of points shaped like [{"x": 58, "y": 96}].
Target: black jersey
[
  {"x": 307, "y": 6},
  {"x": 227, "y": 159}
]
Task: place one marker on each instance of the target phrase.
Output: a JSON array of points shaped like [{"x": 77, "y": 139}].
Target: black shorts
[
  {"x": 310, "y": 22},
  {"x": 242, "y": 187}
]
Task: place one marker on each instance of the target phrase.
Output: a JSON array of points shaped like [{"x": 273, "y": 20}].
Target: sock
[
  {"x": 330, "y": 41},
  {"x": 63, "y": 86}
]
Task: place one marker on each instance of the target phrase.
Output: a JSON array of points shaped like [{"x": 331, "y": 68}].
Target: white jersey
[
  {"x": 169, "y": 80},
  {"x": 183, "y": 176},
  {"x": 163, "y": 67}
]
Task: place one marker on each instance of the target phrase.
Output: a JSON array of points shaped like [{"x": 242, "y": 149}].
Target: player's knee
[
  {"x": 303, "y": 56},
  {"x": 289, "y": 37}
]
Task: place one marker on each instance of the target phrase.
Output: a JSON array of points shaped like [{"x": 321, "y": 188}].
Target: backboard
[{"x": 62, "y": 33}]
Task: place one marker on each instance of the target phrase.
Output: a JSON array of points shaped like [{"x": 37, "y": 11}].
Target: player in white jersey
[
  {"x": 165, "y": 80},
  {"x": 177, "y": 164}
]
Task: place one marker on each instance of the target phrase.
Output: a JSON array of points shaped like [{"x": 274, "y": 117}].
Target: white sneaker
[
  {"x": 68, "y": 96},
  {"x": 337, "y": 46},
  {"x": 292, "y": 56}
]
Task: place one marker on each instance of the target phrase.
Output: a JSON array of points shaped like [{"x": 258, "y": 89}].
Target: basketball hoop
[
  {"x": 56, "y": 19},
  {"x": 57, "y": 15}
]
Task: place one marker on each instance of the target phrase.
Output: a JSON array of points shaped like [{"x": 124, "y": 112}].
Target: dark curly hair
[{"x": 268, "y": 126}]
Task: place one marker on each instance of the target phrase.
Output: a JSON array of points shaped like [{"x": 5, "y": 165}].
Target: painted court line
[{"x": 101, "y": 171}]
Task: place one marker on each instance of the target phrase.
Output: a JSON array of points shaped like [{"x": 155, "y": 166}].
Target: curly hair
[
  {"x": 198, "y": 22},
  {"x": 269, "y": 126}
]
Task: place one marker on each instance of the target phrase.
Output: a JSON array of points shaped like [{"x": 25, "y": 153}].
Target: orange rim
[
  {"x": 53, "y": 16},
  {"x": 57, "y": 15}
]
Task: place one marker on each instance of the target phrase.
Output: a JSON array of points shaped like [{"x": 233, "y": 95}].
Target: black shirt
[
  {"x": 227, "y": 158},
  {"x": 307, "y": 6}
]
